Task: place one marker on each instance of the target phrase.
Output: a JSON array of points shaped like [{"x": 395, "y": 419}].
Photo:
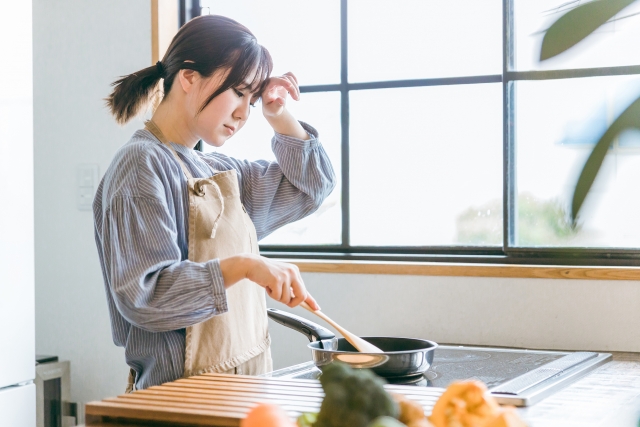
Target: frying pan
[{"x": 401, "y": 357}]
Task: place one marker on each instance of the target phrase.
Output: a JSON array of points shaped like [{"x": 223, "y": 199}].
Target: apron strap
[
  {"x": 131, "y": 382},
  {"x": 199, "y": 184},
  {"x": 198, "y": 188},
  {"x": 155, "y": 130}
]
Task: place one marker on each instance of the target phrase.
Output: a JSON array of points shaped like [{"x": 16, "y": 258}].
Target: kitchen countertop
[{"x": 609, "y": 396}]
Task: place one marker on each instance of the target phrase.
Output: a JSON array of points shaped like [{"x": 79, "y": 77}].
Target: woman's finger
[
  {"x": 312, "y": 302},
  {"x": 292, "y": 88},
  {"x": 299, "y": 292},
  {"x": 276, "y": 92},
  {"x": 275, "y": 289},
  {"x": 293, "y": 76},
  {"x": 285, "y": 298},
  {"x": 284, "y": 82},
  {"x": 295, "y": 85}
]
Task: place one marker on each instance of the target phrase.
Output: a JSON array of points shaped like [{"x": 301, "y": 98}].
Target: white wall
[
  {"x": 81, "y": 46},
  {"x": 533, "y": 313}
]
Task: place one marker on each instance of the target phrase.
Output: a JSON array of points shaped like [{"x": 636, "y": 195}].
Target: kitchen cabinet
[{"x": 18, "y": 406}]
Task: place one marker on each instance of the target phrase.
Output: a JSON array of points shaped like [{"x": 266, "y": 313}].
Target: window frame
[{"x": 508, "y": 253}]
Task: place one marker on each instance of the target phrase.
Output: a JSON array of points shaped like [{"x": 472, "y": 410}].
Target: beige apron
[{"x": 238, "y": 340}]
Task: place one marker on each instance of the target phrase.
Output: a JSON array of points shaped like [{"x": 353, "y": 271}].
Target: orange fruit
[{"x": 267, "y": 415}]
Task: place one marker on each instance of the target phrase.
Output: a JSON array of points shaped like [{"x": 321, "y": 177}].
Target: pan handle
[{"x": 312, "y": 331}]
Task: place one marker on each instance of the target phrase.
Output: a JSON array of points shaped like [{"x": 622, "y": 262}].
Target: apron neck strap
[{"x": 155, "y": 130}]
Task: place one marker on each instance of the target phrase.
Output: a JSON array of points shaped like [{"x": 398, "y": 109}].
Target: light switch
[{"x": 86, "y": 183}]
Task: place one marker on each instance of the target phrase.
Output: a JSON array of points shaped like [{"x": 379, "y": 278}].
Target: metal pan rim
[{"x": 433, "y": 346}]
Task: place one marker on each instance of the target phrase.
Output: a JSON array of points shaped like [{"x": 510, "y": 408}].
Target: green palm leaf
[
  {"x": 629, "y": 119},
  {"x": 577, "y": 24}
]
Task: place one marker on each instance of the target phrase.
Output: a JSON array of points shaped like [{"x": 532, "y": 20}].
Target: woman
[{"x": 177, "y": 229}]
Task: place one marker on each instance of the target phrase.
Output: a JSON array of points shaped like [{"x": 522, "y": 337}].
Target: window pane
[
  {"x": 558, "y": 123},
  {"x": 412, "y": 39},
  {"x": 322, "y": 111},
  {"x": 302, "y": 36},
  {"x": 426, "y": 166},
  {"x": 613, "y": 44}
]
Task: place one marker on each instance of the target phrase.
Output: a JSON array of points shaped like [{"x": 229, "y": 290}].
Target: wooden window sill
[{"x": 467, "y": 270}]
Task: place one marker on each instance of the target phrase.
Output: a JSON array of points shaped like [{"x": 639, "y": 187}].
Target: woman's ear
[{"x": 188, "y": 79}]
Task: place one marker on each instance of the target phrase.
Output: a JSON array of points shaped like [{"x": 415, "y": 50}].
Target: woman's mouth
[{"x": 230, "y": 129}]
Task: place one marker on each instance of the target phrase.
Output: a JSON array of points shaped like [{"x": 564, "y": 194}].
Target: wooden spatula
[{"x": 361, "y": 345}]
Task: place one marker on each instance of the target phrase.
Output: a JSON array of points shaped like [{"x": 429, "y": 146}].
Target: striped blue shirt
[{"x": 141, "y": 228}]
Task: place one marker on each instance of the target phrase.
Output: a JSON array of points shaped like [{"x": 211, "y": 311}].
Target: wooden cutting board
[{"x": 221, "y": 400}]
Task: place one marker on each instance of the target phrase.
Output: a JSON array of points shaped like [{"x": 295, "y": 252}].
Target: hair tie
[{"x": 160, "y": 68}]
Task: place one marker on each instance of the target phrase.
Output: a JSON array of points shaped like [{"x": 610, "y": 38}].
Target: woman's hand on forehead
[
  {"x": 274, "y": 100},
  {"x": 274, "y": 95}
]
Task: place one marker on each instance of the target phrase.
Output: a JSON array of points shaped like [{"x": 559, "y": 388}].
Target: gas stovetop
[{"x": 514, "y": 376}]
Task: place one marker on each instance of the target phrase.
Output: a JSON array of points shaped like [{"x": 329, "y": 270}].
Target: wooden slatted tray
[{"x": 221, "y": 400}]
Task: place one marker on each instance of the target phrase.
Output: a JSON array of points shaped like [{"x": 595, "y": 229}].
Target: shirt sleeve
[
  {"x": 152, "y": 287},
  {"x": 292, "y": 187}
]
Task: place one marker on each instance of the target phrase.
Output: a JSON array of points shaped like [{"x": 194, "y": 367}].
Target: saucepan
[{"x": 400, "y": 357}]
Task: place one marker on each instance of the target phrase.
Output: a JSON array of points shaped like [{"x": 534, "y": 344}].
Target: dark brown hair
[{"x": 205, "y": 44}]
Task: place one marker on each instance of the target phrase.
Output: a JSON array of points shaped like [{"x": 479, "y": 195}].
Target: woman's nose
[{"x": 243, "y": 110}]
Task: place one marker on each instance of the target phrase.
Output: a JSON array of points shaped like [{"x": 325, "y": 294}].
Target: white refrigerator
[{"x": 17, "y": 302}]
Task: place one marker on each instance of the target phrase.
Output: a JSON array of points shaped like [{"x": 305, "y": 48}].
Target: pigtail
[{"x": 131, "y": 94}]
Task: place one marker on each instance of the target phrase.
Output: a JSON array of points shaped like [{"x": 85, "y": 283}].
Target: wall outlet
[{"x": 87, "y": 179}]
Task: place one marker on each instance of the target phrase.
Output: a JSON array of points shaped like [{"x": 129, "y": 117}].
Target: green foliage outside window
[{"x": 542, "y": 223}]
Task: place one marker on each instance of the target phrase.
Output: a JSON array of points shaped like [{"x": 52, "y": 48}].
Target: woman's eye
[{"x": 240, "y": 94}]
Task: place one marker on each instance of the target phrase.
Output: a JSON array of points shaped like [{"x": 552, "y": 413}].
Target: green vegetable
[
  {"x": 307, "y": 419},
  {"x": 353, "y": 397},
  {"x": 386, "y": 422}
]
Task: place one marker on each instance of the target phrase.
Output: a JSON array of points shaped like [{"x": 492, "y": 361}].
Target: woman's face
[{"x": 225, "y": 115}]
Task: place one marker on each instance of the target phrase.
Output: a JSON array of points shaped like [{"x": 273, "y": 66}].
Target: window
[
  {"x": 450, "y": 140},
  {"x": 560, "y": 109}
]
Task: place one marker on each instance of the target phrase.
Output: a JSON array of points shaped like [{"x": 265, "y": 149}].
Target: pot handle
[{"x": 312, "y": 331}]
